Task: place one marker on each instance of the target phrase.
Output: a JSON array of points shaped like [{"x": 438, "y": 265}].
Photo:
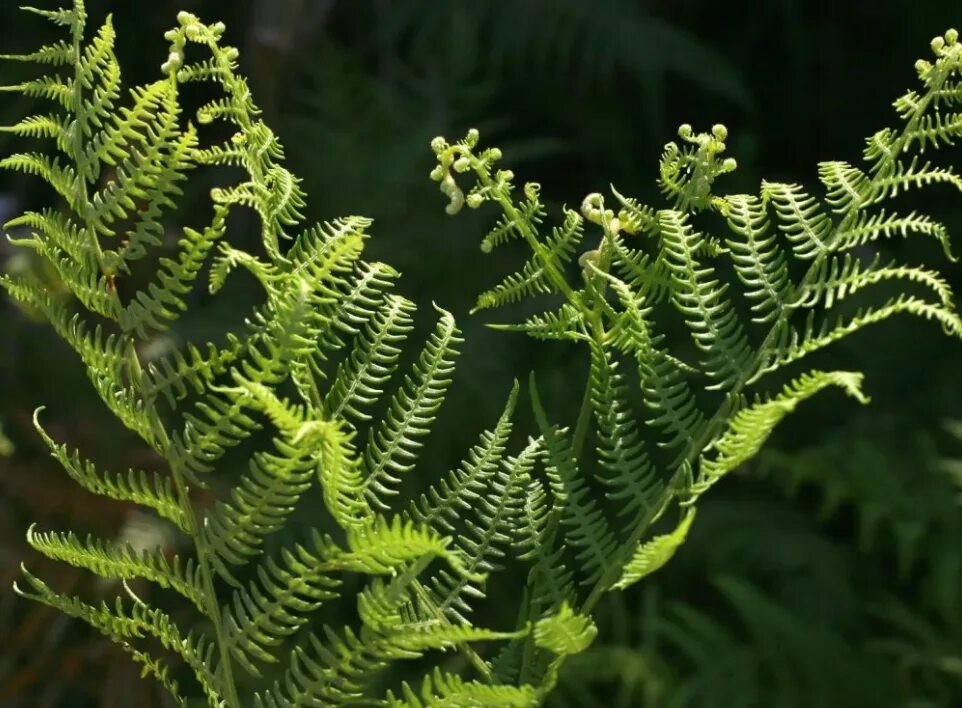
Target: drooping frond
[{"x": 751, "y": 426}]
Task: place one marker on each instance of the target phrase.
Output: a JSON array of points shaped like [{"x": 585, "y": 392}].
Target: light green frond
[
  {"x": 41, "y": 126},
  {"x": 234, "y": 531},
  {"x": 534, "y": 278},
  {"x": 530, "y": 212},
  {"x": 217, "y": 424},
  {"x": 464, "y": 487},
  {"x": 751, "y": 426},
  {"x": 758, "y": 258},
  {"x": 50, "y": 170},
  {"x": 567, "y": 322},
  {"x": 385, "y": 547},
  {"x": 392, "y": 447},
  {"x": 566, "y": 632},
  {"x": 871, "y": 227},
  {"x": 842, "y": 277},
  {"x": 330, "y": 671},
  {"x": 139, "y": 487},
  {"x": 653, "y": 554},
  {"x": 916, "y": 175},
  {"x": 801, "y": 218},
  {"x": 126, "y": 625},
  {"x": 56, "y": 54},
  {"x": 700, "y": 297},
  {"x": 162, "y": 301},
  {"x": 487, "y": 534},
  {"x": 175, "y": 375},
  {"x": 441, "y": 690},
  {"x": 112, "y": 560},
  {"x": 935, "y": 131},
  {"x": 848, "y": 188},
  {"x": 274, "y": 605},
  {"x": 373, "y": 358},
  {"x": 651, "y": 279},
  {"x": 635, "y": 217},
  {"x": 51, "y": 88},
  {"x": 793, "y": 344}
]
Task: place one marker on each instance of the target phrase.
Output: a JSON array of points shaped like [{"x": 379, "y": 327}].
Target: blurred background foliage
[{"x": 829, "y": 573}]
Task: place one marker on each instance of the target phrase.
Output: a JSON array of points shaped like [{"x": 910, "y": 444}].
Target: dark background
[{"x": 828, "y": 574}]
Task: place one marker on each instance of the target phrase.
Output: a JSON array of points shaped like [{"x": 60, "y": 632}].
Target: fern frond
[
  {"x": 589, "y": 531},
  {"x": 653, "y": 554},
  {"x": 534, "y": 277},
  {"x": 567, "y": 322},
  {"x": 260, "y": 503},
  {"x": 842, "y": 277},
  {"x": 175, "y": 375},
  {"x": 151, "y": 490},
  {"x": 373, "y": 359},
  {"x": 871, "y": 227},
  {"x": 112, "y": 560},
  {"x": 627, "y": 471},
  {"x": 757, "y": 256},
  {"x": 392, "y": 448},
  {"x": 440, "y": 690},
  {"x": 792, "y": 344},
  {"x": 750, "y": 427},
  {"x": 565, "y": 632},
  {"x": 483, "y": 542},
  {"x": 800, "y": 218},
  {"x": 125, "y": 625},
  {"x": 711, "y": 318},
  {"x": 162, "y": 302}
]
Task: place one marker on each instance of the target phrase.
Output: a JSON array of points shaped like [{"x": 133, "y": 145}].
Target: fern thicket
[{"x": 313, "y": 392}]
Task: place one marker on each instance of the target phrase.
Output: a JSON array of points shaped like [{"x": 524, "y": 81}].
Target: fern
[
  {"x": 299, "y": 395},
  {"x": 303, "y": 376},
  {"x": 800, "y": 261}
]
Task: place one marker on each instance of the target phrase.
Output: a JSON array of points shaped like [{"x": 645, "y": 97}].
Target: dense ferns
[{"x": 318, "y": 373}]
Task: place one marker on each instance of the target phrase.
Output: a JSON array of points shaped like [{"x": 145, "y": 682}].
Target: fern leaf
[
  {"x": 628, "y": 473},
  {"x": 175, "y": 375},
  {"x": 711, "y": 318},
  {"x": 392, "y": 448},
  {"x": 373, "y": 359},
  {"x": 840, "y": 278},
  {"x": 653, "y": 554},
  {"x": 870, "y": 228},
  {"x": 800, "y": 218},
  {"x": 111, "y": 560},
  {"x": 534, "y": 276},
  {"x": 162, "y": 301},
  {"x": 123, "y": 626},
  {"x": 441, "y": 690},
  {"x": 793, "y": 345},
  {"x": 566, "y": 632},
  {"x": 589, "y": 531},
  {"x": 751, "y": 426},
  {"x": 758, "y": 259},
  {"x": 137, "y": 486}
]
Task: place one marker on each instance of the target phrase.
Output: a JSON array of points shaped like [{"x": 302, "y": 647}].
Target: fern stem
[
  {"x": 211, "y": 603},
  {"x": 212, "y": 607}
]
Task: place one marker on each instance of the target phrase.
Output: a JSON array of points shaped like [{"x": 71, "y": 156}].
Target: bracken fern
[{"x": 301, "y": 392}]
